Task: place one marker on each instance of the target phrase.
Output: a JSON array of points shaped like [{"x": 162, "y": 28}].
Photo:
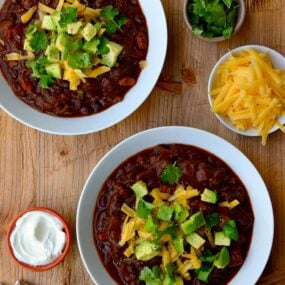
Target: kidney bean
[
  {"x": 141, "y": 40},
  {"x": 127, "y": 82}
]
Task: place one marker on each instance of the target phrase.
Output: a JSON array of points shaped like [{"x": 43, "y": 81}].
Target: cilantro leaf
[
  {"x": 68, "y": 16},
  {"x": 212, "y": 220},
  {"x": 46, "y": 81},
  {"x": 171, "y": 174},
  {"x": 39, "y": 41},
  {"x": 203, "y": 273},
  {"x": 228, "y": 3},
  {"x": 39, "y": 71},
  {"x": 79, "y": 60},
  {"x": 144, "y": 209},
  {"x": 151, "y": 276},
  {"x": 114, "y": 19},
  {"x": 102, "y": 47},
  {"x": 109, "y": 13}
]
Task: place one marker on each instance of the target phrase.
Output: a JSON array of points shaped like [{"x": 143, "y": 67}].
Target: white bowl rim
[
  {"x": 279, "y": 61},
  {"x": 263, "y": 230},
  {"x": 158, "y": 38}
]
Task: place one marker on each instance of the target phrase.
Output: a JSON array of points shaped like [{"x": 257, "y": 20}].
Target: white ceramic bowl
[
  {"x": 157, "y": 28},
  {"x": 278, "y": 61},
  {"x": 263, "y": 224},
  {"x": 239, "y": 21}
]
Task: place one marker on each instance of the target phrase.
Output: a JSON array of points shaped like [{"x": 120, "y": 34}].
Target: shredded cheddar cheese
[
  {"x": 25, "y": 18},
  {"x": 249, "y": 91},
  {"x": 229, "y": 205}
]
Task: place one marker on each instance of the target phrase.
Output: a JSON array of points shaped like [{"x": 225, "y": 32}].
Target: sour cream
[{"x": 38, "y": 238}]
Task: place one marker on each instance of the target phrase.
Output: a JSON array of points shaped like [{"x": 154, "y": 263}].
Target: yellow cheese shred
[
  {"x": 17, "y": 56},
  {"x": 229, "y": 205},
  {"x": 59, "y": 5},
  {"x": 46, "y": 9},
  {"x": 98, "y": 71},
  {"x": 128, "y": 211},
  {"x": 250, "y": 92},
  {"x": 25, "y": 18}
]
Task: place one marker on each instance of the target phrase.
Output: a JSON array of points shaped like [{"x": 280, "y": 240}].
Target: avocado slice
[
  {"x": 222, "y": 258},
  {"x": 146, "y": 250},
  {"x": 52, "y": 53},
  {"x": 73, "y": 28},
  {"x": 195, "y": 222},
  {"x": 222, "y": 239},
  {"x": 195, "y": 240},
  {"x": 89, "y": 32},
  {"x": 209, "y": 196},
  {"x": 111, "y": 57},
  {"x": 54, "y": 70},
  {"x": 140, "y": 189},
  {"x": 48, "y": 23}
]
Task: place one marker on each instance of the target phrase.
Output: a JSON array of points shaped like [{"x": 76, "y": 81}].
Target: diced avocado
[
  {"x": 52, "y": 53},
  {"x": 62, "y": 41},
  {"x": 144, "y": 209},
  {"x": 222, "y": 239},
  {"x": 54, "y": 70},
  {"x": 209, "y": 196},
  {"x": 111, "y": 57},
  {"x": 89, "y": 32},
  {"x": 56, "y": 18},
  {"x": 140, "y": 189},
  {"x": 169, "y": 278},
  {"x": 222, "y": 258},
  {"x": 230, "y": 230},
  {"x": 203, "y": 273},
  {"x": 165, "y": 213},
  {"x": 180, "y": 213},
  {"x": 178, "y": 244},
  {"x": 195, "y": 240},
  {"x": 73, "y": 28},
  {"x": 48, "y": 23},
  {"x": 150, "y": 225},
  {"x": 27, "y": 45},
  {"x": 195, "y": 222},
  {"x": 146, "y": 250},
  {"x": 92, "y": 46}
]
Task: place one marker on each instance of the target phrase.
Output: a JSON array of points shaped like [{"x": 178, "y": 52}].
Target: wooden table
[{"x": 38, "y": 169}]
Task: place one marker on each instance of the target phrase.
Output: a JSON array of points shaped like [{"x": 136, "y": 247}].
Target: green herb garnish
[
  {"x": 171, "y": 174},
  {"x": 39, "y": 41},
  {"x": 212, "y": 18}
]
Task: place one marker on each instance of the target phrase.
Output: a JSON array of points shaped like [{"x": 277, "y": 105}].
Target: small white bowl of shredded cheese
[
  {"x": 38, "y": 239},
  {"x": 246, "y": 90}
]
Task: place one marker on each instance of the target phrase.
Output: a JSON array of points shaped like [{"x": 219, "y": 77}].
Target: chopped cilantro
[
  {"x": 144, "y": 208},
  {"x": 46, "y": 81},
  {"x": 151, "y": 276},
  {"x": 171, "y": 174},
  {"x": 230, "y": 230},
  {"x": 212, "y": 219},
  {"x": 39, "y": 41},
  {"x": 208, "y": 257},
  {"x": 212, "y": 18},
  {"x": 102, "y": 47},
  {"x": 165, "y": 213},
  {"x": 203, "y": 273},
  {"x": 115, "y": 20},
  {"x": 68, "y": 16},
  {"x": 79, "y": 60},
  {"x": 39, "y": 71}
]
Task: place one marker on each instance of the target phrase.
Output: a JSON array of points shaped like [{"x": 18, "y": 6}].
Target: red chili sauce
[
  {"x": 97, "y": 94},
  {"x": 201, "y": 170}
]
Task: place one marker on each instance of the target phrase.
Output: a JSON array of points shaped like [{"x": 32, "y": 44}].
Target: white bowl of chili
[
  {"x": 263, "y": 226},
  {"x": 76, "y": 125}
]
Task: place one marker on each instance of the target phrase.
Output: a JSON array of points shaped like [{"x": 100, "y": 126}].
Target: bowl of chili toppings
[
  {"x": 171, "y": 209},
  {"x": 72, "y": 59}
]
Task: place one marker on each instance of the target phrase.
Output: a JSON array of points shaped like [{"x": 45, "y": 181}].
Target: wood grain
[{"x": 38, "y": 169}]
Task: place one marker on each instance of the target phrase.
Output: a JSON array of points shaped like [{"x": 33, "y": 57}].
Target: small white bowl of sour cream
[{"x": 38, "y": 239}]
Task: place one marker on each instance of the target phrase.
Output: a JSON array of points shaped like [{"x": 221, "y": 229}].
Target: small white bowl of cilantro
[{"x": 214, "y": 20}]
